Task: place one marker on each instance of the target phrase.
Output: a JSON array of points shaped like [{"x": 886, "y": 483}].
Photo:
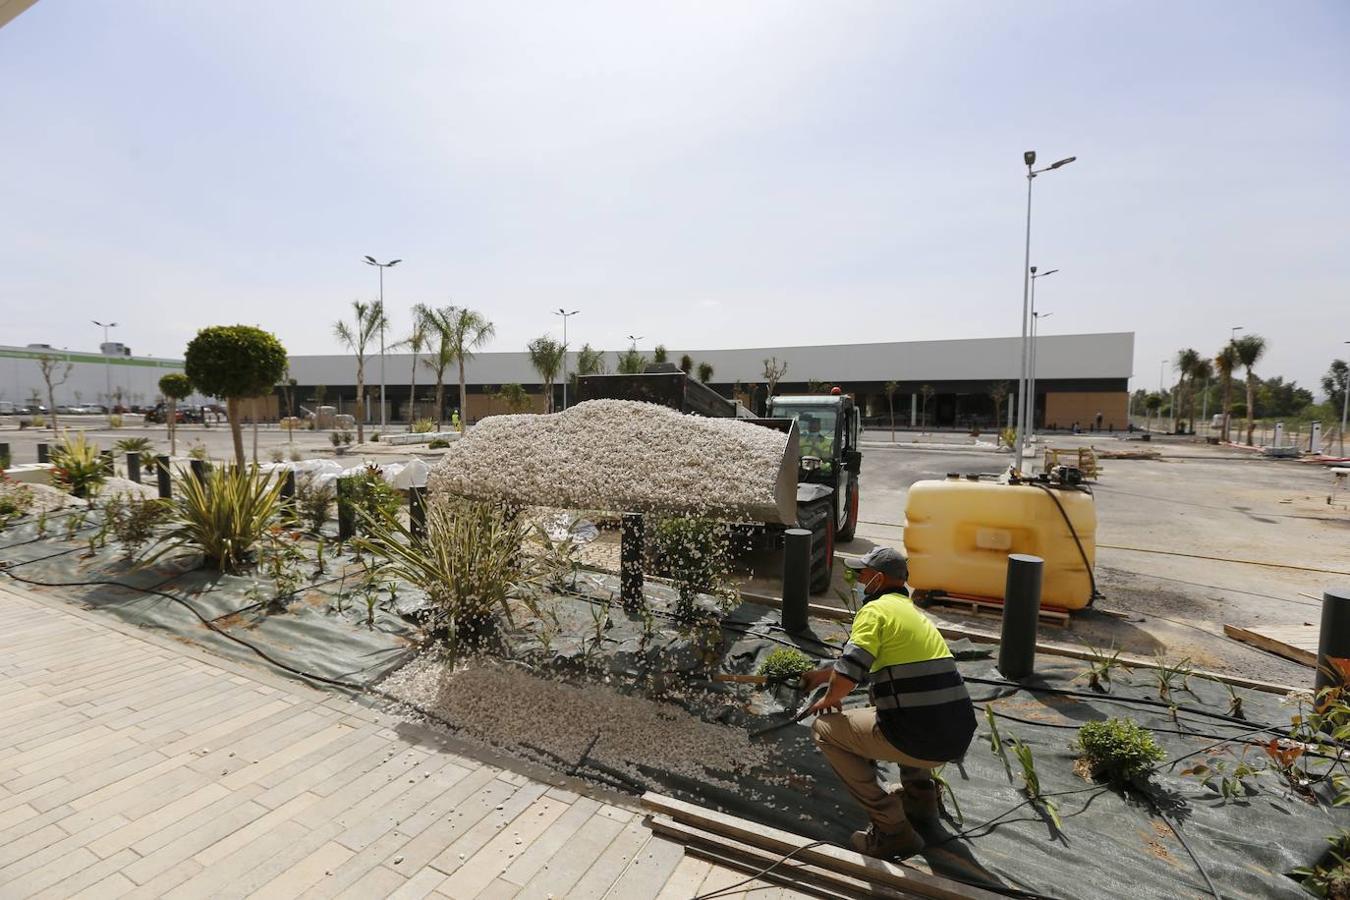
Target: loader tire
[
  {"x": 851, "y": 523},
  {"x": 817, "y": 517}
]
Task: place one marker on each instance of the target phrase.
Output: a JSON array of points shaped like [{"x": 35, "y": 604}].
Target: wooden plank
[
  {"x": 725, "y": 851},
  {"x": 1296, "y": 642},
  {"x": 835, "y": 859}
]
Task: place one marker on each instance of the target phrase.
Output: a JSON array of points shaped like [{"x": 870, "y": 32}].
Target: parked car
[{"x": 160, "y": 414}]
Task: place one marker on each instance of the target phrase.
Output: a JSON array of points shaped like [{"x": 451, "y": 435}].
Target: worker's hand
[
  {"x": 826, "y": 705},
  {"x": 815, "y": 678}
]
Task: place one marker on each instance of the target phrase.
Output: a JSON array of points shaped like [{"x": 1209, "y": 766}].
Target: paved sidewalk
[{"x": 133, "y": 766}]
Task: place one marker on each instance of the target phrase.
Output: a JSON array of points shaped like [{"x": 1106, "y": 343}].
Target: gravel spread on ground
[
  {"x": 617, "y": 455},
  {"x": 126, "y": 487},
  {"x": 512, "y": 708},
  {"x": 46, "y": 499}
]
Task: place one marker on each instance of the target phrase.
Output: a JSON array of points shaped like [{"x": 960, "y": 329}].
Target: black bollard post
[
  {"x": 417, "y": 511},
  {"x": 630, "y": 561},
  {"x": 1021, "y": 613},
  {"x": 134, "y": 467},
  {"x": 199, "y": 469},
  {"x": 1333, "y": 644},
  {"x": 163, "y": 478},
  {"x": 796, "y": 579},
  {"x": 108, "y": 464},
  {"x": 44, "y": 453},
  {"x": 288, "y": 487},
  {"x": 346, "y": 512},
  {"x": 5, "y": 458}
]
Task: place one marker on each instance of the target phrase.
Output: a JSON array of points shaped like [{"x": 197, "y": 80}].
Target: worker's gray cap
[{"x": 885, "y": 560}]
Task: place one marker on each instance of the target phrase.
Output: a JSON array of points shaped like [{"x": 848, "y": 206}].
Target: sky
[{"x": 704, "y": 175}]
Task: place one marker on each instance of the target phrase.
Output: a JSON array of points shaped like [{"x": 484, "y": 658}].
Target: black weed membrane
[{"x": 626, "y": 698}]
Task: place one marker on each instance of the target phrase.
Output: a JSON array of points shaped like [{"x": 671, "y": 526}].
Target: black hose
[
  {"x": 1209, "y": 882},
  {"x": 1087, "y": 564}
]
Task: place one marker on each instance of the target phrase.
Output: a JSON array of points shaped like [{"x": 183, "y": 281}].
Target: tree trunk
[
  {"x": 440, "y": 398},
  {"x": 890, "y": 404},
  {"x": 463, "y": 398},
  {"x": 1227, "y": 405},
  {"x": 412, "y": 394},
  {"x": 236, "y": 432},
  {"x": 173, "y": 427},
  {"x": 1251, "y": 406},
  {"x": 360, "y": 400},
  {"x": 253, "y": 414}
]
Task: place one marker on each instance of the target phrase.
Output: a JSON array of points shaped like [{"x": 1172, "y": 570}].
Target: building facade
[
  {"x": 107, "y": 379},
  {"x": 938, "y": 384}
]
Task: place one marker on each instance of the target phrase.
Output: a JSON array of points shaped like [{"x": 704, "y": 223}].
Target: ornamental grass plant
[{"x": 224, "y": 515}]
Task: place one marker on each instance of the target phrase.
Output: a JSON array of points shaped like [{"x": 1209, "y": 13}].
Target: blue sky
[{"x": 703, "y": 174}]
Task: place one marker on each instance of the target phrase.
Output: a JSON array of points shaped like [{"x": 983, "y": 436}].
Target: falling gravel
[
  {"x": 508, "y": 706},
  {"x": 620, "y": 455}
]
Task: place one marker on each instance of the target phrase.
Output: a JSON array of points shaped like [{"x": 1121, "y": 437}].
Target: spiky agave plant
[
  {"x": 224, "y": 515},
  {"x": 471, "y": 562}
]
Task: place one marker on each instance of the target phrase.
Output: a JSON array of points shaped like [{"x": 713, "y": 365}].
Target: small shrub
[
  {"x": 313, "y": 502},
  {"x": 4, "y": 460},
  {"x": 133, "y": 519},
  {"x": 423, "y": 426},
  {"x": 77, "y": 467},
  {"x": 374, "y": 437},
  {"x": 114, "y": 421},
  {"x": 694, "y": 553},
  {"x": 1098, "y": 672},
  {"x": 277, "y": 455},
  {"x": 141, "y": 445},
  {"x": 15, "y": 500},
  {"x": 1331, "y": 877},
  {"x": 1119, "y": 749},
  {"x": 39, "y": 421},
  {"x": 1031, "y": 783},
  {"x": 224, "y": 515},
  {"x": 438, "y": 444},
  {"x": 785, "y": 664},
  {"x": 198, "y": 451},
  {"x": 296, "y": 456},
  {"x": 372, "y": 496}
]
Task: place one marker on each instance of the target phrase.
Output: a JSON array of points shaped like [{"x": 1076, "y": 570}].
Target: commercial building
[
  {"x": 943, "y": 384},
  {"x": 110, "y": 378}
]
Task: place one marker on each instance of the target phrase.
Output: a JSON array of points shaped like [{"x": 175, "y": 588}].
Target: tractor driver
[
  {"x": 815, "y": 442},
  {"x": 921, "y": 715}
]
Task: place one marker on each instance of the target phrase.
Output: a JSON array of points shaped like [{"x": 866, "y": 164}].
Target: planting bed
[{"x": 627, "y": 700}]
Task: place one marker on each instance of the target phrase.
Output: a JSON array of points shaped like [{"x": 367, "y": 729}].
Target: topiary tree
[
  {"x": 175, "y": 386},
  {"x": 234, "y": 362}
]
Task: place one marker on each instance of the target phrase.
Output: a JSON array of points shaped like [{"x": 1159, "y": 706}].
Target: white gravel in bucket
[
  {"x": 615, "y": 455},
  {"x": 510, "y": 707}
]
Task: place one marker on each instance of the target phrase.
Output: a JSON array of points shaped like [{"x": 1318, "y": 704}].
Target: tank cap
[
  {"x": 956, "y": 475},
  {"x": 975, "y": 477}
]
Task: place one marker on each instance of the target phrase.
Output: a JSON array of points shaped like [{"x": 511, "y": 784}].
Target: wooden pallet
[
  {"x": 845, "y": 871},
  {"x": 1296, "y": 642},
  {"x": 993, "y": 607}
]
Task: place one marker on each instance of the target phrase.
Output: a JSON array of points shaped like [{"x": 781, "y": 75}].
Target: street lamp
[
  {"x": 107, "y": 364},
  {"x": 1345, "y": 407},
  {"x": 370, "y": 261},
  {"x": 1029, "y": 157},
  {"x": 565, "y": 316},
  {"x": 1031, "y": 377},
  {"x": 1232, "y": 334}
]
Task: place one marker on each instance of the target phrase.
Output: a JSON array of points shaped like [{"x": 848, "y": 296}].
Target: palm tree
[
  {"x": 1226, "y": 361},
  {"x": 891, "y": 388},
  {"x": 659, "y": 354},
  {"x": 439, "y": 357},
  {"x": 687, "y": 364},
  {"x": 925, "y": 392},
  {"x": 416, "y": 341},
  {"x": 705, "y": 372},
  {"x": 1186, "y": 362},
  {"x": 370, "y": 321},
  {"x": 516, "y": 398},
  {"x": 1250, "y": 348},
  {"x": 460, "y": 332},
  {"x": 546, "y": 355},
  {"x": 1203, "y": 372},
  {"x": 1152, "y": 403}
]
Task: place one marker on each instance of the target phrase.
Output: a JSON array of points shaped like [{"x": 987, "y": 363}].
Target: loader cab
[{"x": 828, "y": 428}]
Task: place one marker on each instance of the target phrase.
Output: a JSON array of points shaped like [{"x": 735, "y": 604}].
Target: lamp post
[
  {"x": 1029, "y": 157},
  {"x": 370, "y": 261},
  {"x": 1031, "y": 392},
  {"x": 565, "y": 316},
  {"x": 107, "y": 365}
]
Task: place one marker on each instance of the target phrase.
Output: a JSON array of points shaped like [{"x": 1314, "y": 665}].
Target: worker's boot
[
  {"x": 923, "y": 805},
  {"x": 900, "y": 844}
]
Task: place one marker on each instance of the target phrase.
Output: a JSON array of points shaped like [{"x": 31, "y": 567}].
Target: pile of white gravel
[
  {"x": 512, "y": 708},
  {"x": 618, "y": 455},
  {"x": 126, "y": 487}
]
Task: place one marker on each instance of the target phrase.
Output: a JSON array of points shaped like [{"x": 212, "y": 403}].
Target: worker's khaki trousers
[{"x": 851, "y": 742}]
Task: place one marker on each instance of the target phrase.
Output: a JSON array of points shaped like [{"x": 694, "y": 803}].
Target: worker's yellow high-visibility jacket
[{"x": 923, "y": 707}]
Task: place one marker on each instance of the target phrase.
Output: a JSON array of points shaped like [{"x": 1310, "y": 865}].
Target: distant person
[
  {"x": 1076, "y": 429},
  {"x": 454, "y": 420},
  {"x": 1099, "y": 421}
]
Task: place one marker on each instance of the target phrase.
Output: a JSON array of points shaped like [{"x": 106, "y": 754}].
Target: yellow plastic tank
[{"x": 960, "y": 533}]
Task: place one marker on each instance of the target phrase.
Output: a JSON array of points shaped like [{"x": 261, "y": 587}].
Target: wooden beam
[
  {"x": 826, "y": 856},
  {"x": 1280, "y": 640}
]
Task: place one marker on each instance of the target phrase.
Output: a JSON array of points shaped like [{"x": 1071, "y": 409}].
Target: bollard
[
  {"x": 796, "y": 579},
  {"x": 5, "y": 458},
  {"x": 134, "y": 467},
  {"x": 417, "y": 511},
  {"x": 1021, "y": 612},
  {"x": 288, "y": 488},
  {"x": 346, "y": 511},
  {"x": 163, "y": 477},
  {"x": 1333, "y": 644},
  {"x": 108, "y": 465},
  {"x": 630, "y": 561},
  {"x": 199, "y": 469},
  {"x": 44, "y": 453}
]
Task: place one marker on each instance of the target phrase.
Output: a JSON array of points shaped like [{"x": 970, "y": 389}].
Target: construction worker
[
  {"x": 814, "y": 442},
  {"x": 454, "y": 420},
  {"x": 921, "y": 715}
]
